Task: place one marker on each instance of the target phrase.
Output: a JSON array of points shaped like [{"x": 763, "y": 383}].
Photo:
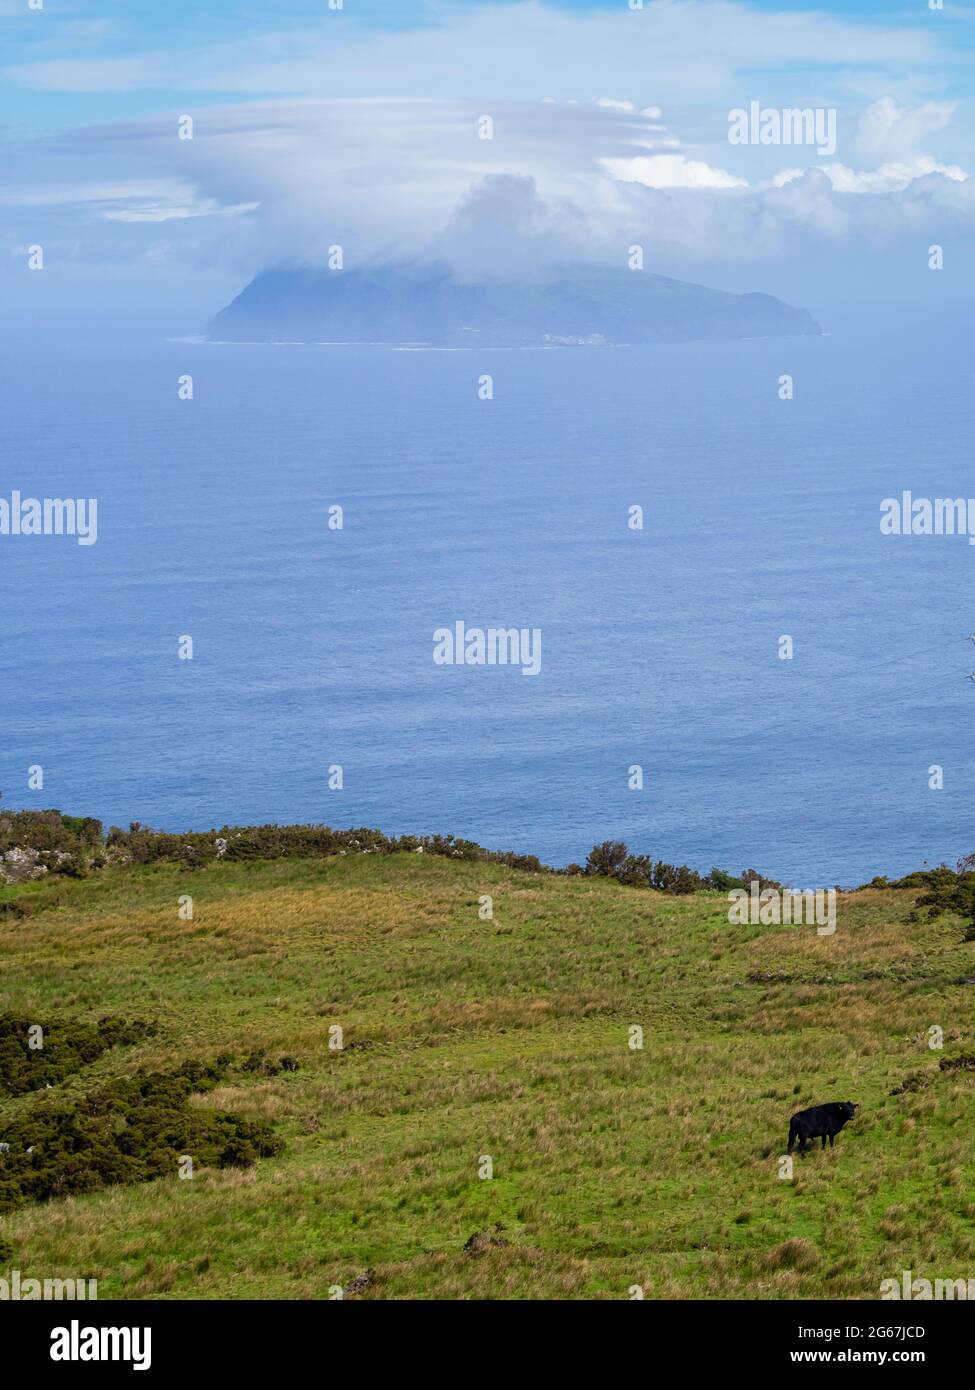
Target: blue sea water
[{"x": 314, "y": 647}]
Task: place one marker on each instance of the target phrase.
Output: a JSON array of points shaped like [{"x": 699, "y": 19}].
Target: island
[{"x": 431, "y": 305}]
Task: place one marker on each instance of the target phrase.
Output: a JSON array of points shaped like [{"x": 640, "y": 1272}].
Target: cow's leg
[
  {"x": 831, "y": 1141},
  {"x": 824, "y": 1141}
]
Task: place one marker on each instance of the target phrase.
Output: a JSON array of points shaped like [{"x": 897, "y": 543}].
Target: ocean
[{"x": 313, "y": 646}]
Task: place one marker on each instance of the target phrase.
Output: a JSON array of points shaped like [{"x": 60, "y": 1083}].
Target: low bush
[
  {"x": 48, "y": 831},
  {"x": 125, "y": 1131},
  {"x": 948, "y": 892},
  {"x": 31, "y": 1060},
  {"x": 141, "y": 845},
  {"x": 266, "y": 1066},
  {"x": 612, "y": 859}
]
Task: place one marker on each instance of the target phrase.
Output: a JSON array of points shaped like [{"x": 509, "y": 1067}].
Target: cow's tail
[{"x": 793, "y": 1134}]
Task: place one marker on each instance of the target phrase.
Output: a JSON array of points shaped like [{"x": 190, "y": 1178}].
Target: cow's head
[{"x": 851, "y": 1108}]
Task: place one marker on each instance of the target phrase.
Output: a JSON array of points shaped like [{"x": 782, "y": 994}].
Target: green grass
[{"x": 509, "y": 1038}]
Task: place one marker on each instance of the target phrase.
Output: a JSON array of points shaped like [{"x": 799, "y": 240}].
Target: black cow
[{"x": 820, "y": 1121}]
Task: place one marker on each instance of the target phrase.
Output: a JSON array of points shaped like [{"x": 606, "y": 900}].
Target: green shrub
[
  {"x": 722, "y": 882},
  {"x": 612, "y": 859},
  {"x": 676, "y": 878},
  {"x": 65, "y": 1048},
  {"x": 607, "y": 858},
  {"x": 48, "y": 832},
  {"x": 265, "y": 1066},
  {"x": 125, "y": 1131},
  {"x": 635, "y": 870},
  {"x": 750, "y": 876},
  {"x": 239, "y": 843},
  {"x": 949, "y": 892}
]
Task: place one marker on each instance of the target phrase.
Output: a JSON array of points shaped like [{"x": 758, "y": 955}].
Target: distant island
[{"x": 429, "y": 305}]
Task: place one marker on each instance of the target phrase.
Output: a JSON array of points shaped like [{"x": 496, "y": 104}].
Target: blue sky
[
  {"x": 314, "y": 125},
  {"x": 74, "y": 62}
]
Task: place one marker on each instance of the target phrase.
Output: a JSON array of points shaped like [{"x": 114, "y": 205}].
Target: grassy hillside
[{"x": 508, "y": 1037}]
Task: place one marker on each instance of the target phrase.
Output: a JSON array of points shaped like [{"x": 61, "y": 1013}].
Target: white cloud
[
  {"x": 890, "y": 132},
  {"x": 148, "y": 212},
  {"x": 127, "y": 200},
  {"x": 671, "y": 171},
  {"x": 889, "y": 178},
  {"x": 395, "y": 180}
]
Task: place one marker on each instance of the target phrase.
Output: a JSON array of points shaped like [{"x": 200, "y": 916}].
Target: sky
[{"x": 363, "y": 124}]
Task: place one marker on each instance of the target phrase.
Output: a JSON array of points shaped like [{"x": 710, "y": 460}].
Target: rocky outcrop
[{"x": 21, "y": 865}]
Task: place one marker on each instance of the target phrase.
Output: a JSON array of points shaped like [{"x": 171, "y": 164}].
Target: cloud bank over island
[{"x": 594, "y": 144}]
